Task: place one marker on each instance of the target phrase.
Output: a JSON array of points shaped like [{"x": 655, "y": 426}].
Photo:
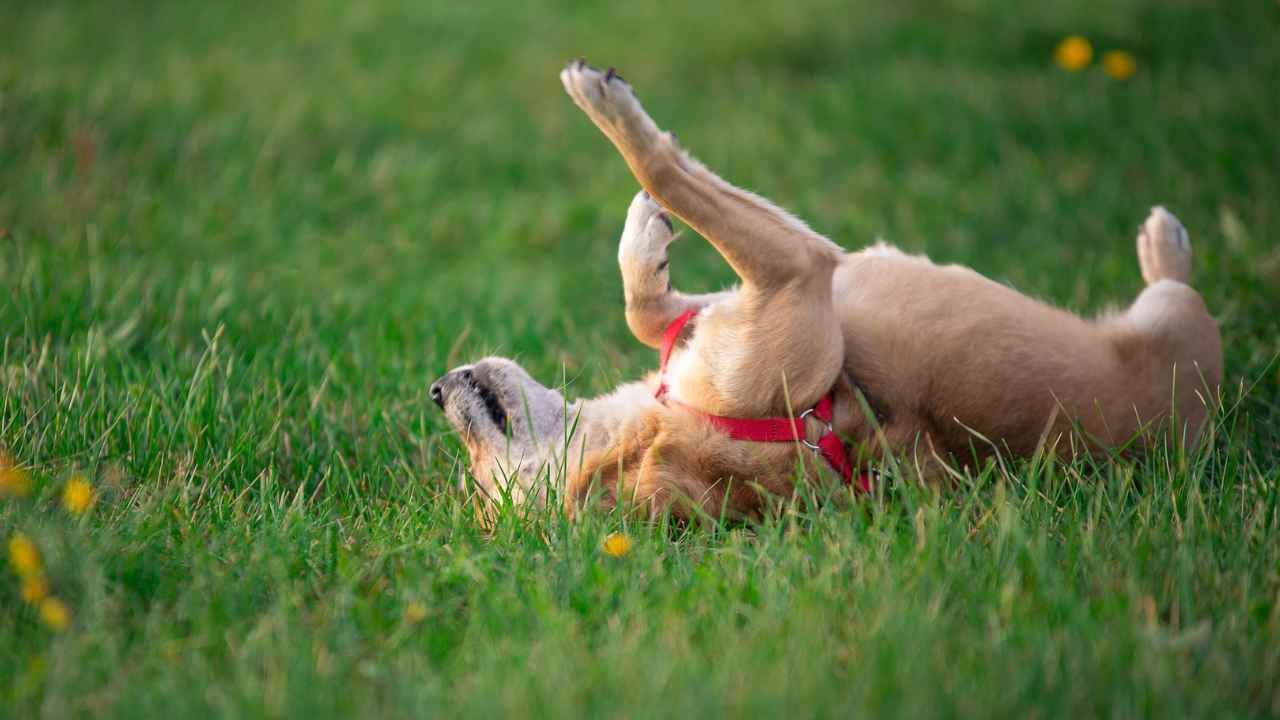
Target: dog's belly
[{"x": 945, "y": 352}]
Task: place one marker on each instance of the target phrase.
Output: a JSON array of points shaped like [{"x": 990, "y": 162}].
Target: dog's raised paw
[
  {"x": 586, "y": 84},
  {"x": 608, "y": 100},
  {"x": 1164, "y": 248},
  {"x": 646, "y": 235}
]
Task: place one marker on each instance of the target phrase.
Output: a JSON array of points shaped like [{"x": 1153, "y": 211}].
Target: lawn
[{"x": 236, "y": 244}]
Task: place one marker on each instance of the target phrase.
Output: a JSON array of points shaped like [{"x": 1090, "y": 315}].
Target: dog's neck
[
  {"x": 592, "y": 425},
  {"x": 589, "y": 425},
  {"x": 603, "y": 420}
]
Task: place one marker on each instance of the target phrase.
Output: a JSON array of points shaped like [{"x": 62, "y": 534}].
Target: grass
[{"x": 238, "y": 243}]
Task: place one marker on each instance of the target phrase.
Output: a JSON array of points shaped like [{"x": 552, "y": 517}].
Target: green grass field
[{"x": 238, "y": 244}]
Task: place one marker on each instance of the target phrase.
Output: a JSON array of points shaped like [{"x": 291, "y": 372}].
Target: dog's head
[{"x": 509, "y": 422}]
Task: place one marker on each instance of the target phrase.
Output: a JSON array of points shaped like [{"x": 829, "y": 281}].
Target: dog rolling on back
[{"x": 934, "y": 364}]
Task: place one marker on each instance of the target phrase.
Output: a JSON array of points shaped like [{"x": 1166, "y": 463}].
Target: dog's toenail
[
  {"x": 580, "y": 63},
  {"x": 609, "y": 75},
  {"x": 667, "y": 221}
]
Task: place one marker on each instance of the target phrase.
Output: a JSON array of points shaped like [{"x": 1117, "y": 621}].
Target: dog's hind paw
[{"x": 1164, "y": 248}]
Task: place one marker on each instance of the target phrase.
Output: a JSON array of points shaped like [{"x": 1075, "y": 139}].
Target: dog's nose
[{"x": 437, "y": 392}]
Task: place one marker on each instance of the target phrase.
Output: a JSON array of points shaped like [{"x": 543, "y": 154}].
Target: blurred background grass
[{"x": 238, "y": 242}]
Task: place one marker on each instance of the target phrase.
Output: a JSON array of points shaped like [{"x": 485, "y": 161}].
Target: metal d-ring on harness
[{"x": 805, "y": 441}]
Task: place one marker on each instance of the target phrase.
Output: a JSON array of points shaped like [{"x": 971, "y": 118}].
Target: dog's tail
[{"x": 1164, "y": 249}]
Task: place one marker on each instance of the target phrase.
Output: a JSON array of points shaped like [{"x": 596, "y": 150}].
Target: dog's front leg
[{"x": 646, "y": 273}]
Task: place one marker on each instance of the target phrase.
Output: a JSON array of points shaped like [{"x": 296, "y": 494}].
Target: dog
[{"x": 823, "y": 364}]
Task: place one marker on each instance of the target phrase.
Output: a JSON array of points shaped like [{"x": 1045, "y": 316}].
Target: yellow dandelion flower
[
  {"x": 616, "y": 545},
  {"x": 14, "y": 481},
  {"x": 1074, "y": 53},
  {"x": 415, "y": 612},
  {"x": 34, "y": 589},
  {"x": 77, "y": 496},
  {"x": 23, "y": 556},
  {"x": 55, "y": 614},
  {"x": 1119, "y": 64}
]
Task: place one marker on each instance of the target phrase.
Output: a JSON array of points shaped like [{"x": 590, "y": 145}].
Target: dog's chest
[{"x": 701, "y": 369}]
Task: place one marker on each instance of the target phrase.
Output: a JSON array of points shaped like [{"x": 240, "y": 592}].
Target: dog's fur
[{"x": 934, "y": 364}]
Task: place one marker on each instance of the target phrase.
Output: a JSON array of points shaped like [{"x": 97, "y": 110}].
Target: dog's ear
[
  {"x": 672, "y": 464},
  {"x": 656, "y": 469},
  {"x": 611, "y": 473},
  {"x": 680, "y": 475}
]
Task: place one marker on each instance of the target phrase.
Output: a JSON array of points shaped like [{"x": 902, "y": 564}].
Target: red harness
[{"x": 776, "y": 429}]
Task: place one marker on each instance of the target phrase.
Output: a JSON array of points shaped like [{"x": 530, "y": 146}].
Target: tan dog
[{"x": 936, "y": 365}]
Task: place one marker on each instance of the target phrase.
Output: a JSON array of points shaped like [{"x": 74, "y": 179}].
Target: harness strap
[{"x": 777, "y": 429}]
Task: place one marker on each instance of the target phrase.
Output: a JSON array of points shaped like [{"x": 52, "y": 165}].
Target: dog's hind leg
[
  {"x": 646, "y": 273},
  {"x": 764, "y": 244},
  {"x": 1168, "y": 335}
]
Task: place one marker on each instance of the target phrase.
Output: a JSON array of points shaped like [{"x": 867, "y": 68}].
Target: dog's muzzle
[{"x": 437, "y": 389}]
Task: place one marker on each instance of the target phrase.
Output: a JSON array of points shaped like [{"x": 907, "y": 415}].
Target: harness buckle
[{"x": 804, "y": 440}]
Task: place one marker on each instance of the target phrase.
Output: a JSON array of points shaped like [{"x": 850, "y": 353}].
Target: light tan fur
[{"x": 936, "y": 365}]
